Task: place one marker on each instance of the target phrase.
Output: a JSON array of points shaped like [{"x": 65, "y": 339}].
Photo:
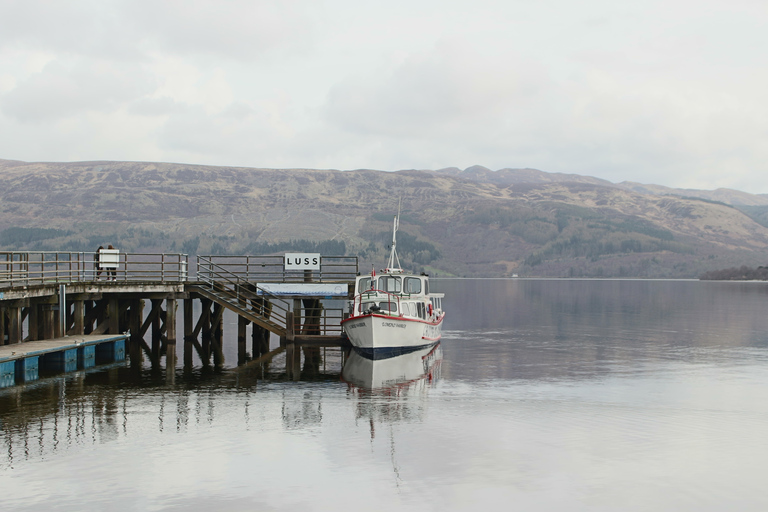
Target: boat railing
[{"x": 374, "y": 295}]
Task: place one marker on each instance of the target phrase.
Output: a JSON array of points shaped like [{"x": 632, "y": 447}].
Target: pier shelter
[{"x": 298, "y": 299}]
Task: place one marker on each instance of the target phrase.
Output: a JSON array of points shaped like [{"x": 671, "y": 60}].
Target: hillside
[{"x": 475, "y": 222}]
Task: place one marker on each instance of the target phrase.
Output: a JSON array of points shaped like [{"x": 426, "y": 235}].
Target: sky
[{"x": 670, "y": 92}]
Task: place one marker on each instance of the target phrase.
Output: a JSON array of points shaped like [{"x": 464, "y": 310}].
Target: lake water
[{"x": 543, "y": 395}]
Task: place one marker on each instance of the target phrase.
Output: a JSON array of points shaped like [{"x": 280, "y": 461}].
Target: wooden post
[
  {"x": 156, "y": 327},
  {"x": 205, "y": 319},
  {"x": 79, "y": 320},
  {"x": 88, "y": 320},
  {"x": 218, "y": 335},
  {"x": 135, "y": 320},
  {"x": 242, "y": 326},
  {"x": 170, "y": 333},
  {"x": 34, "y": 321},
  {"x": 15, "y": 334},
  {"x": 114, "y": 316},
  {"x": 260, "y": 344},
  {"x": 2, "y": 326},
  {"x": 296, "y": 315},
  {"x": 56, "y": 313},
  {"x": 189, "y": 327},
  {"x": 47, "y": 323}
]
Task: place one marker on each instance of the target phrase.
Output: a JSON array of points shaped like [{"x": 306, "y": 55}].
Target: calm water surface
[{"x": 543, "y": 395}]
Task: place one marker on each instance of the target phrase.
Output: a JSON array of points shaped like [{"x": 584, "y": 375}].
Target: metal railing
[
  {"x": 270, "y": 269},
  {"x": 243, "y": 293},
  {"x": 18, "y": 269}
]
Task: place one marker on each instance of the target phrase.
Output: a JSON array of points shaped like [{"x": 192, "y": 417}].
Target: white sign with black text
[{"x": 301, "y": 261}]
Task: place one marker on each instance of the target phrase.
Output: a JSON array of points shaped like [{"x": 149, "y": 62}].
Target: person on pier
[{"x": 97, "y": 262}]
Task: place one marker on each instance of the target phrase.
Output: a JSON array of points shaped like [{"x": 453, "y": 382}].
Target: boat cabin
[{"x": 396, "y": 295}]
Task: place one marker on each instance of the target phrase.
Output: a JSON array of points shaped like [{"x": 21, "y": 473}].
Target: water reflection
[
  {"x": 550, "y": 395},
  {"x": 394, "y": 389},
  {"x": 393, "y": 375}
]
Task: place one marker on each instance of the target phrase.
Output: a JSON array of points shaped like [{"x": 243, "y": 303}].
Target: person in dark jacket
[
  {"x": 113, "y": 271},
  {"x": 97, "y": 262}
]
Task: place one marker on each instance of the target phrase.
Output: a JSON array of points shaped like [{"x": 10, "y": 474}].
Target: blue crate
[
  {"x": 120, "y": 350},
  {"x": 28, "y": 369},
  {"x": 86, "y": 356},
  {"x": 111, "y": 351},
  {"x": 63, "y": 361},
  {"x": 7, "y": 374}
]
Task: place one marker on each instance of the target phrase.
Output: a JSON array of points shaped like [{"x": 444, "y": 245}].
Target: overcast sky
[{"x": 673, "y": 92}]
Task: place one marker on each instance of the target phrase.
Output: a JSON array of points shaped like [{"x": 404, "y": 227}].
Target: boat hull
[{"x": 378, "y": 336}]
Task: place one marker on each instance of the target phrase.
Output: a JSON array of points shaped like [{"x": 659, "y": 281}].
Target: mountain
[{"x": 474, "y": 222}]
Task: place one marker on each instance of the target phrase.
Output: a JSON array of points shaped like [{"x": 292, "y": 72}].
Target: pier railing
[
  {"x": 270, "y": 269},
  {"x": 241, "y": 293},
  {"x": 19, "y": 269}
]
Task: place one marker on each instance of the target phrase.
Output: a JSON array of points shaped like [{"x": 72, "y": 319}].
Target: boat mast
[{"x": 394, "y": 261}]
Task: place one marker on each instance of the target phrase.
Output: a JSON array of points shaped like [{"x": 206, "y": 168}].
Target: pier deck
[
  {"x": 44, "y": 347},
  {"x": 57, "y": 302}
]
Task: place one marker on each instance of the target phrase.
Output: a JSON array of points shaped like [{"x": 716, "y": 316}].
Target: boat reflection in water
[
  {"x": 393, "y": 389},
  {"x": 415, "y": 369}
]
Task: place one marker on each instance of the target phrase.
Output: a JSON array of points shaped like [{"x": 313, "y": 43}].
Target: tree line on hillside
[{"x": 742, "y": 273}]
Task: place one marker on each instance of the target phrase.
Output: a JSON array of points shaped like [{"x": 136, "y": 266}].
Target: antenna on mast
[{"x": 394, "y": 261}]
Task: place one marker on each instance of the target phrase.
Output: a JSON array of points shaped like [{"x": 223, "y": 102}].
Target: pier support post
[
  {"x": 189, "y": 328},
  {"x": 242, "y": 326},
  {"x": 56, "y": 313},
  {"x": 79, "y": 320},
  {"x": 48, "y": 327},
  {"x": 205, "y": 319},
  {"x": 156, "y": 326},
  {"x": 114, "y": 316},
  {"x": 135, "y": 320},
  {"x": 2, "y": 326},
  {"x": 170, "y": 335},
  {"x": 217, "y": 326},
  {"x": 33, "y": 321},
  {"x": 260, "y": 335},
  {"x": 15, "y": 334}
]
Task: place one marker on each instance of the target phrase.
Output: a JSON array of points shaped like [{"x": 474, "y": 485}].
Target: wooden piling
[
  {"x": 189, "y": 327},
  {"x": 170, "y": 333},
  {"x": 15, "y": 326},
  {"x": 79, "y": 317},
  {"x": 33, "y": 321}
]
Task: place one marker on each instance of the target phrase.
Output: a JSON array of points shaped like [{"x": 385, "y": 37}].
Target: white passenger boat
[{"x": 393, "y": 312}]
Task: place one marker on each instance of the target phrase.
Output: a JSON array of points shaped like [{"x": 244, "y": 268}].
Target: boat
[{"x": 393, "y": 312}]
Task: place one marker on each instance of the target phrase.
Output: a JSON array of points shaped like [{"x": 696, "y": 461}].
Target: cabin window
[
  {"x": 390, "y": 284},
  {"x": 406, "y": 307},
  {"x": 364, "y": 284},
  {"x": 412, "y": 285},
  {"x": 388, "y": 306},
  {"x": 420, "y": 308}
]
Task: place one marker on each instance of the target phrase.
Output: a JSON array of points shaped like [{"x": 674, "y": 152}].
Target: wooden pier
[
  {"x": 23, "y": 362},
  {"x": 47, "y": 296}
]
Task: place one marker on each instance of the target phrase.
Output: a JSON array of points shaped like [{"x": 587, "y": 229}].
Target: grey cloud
[
  {"x": 71, "y": 27},
  {"x": 236, "y": 29},
  {"x": 155, "y": 106},
  {"x": 66, "y": 89}
]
